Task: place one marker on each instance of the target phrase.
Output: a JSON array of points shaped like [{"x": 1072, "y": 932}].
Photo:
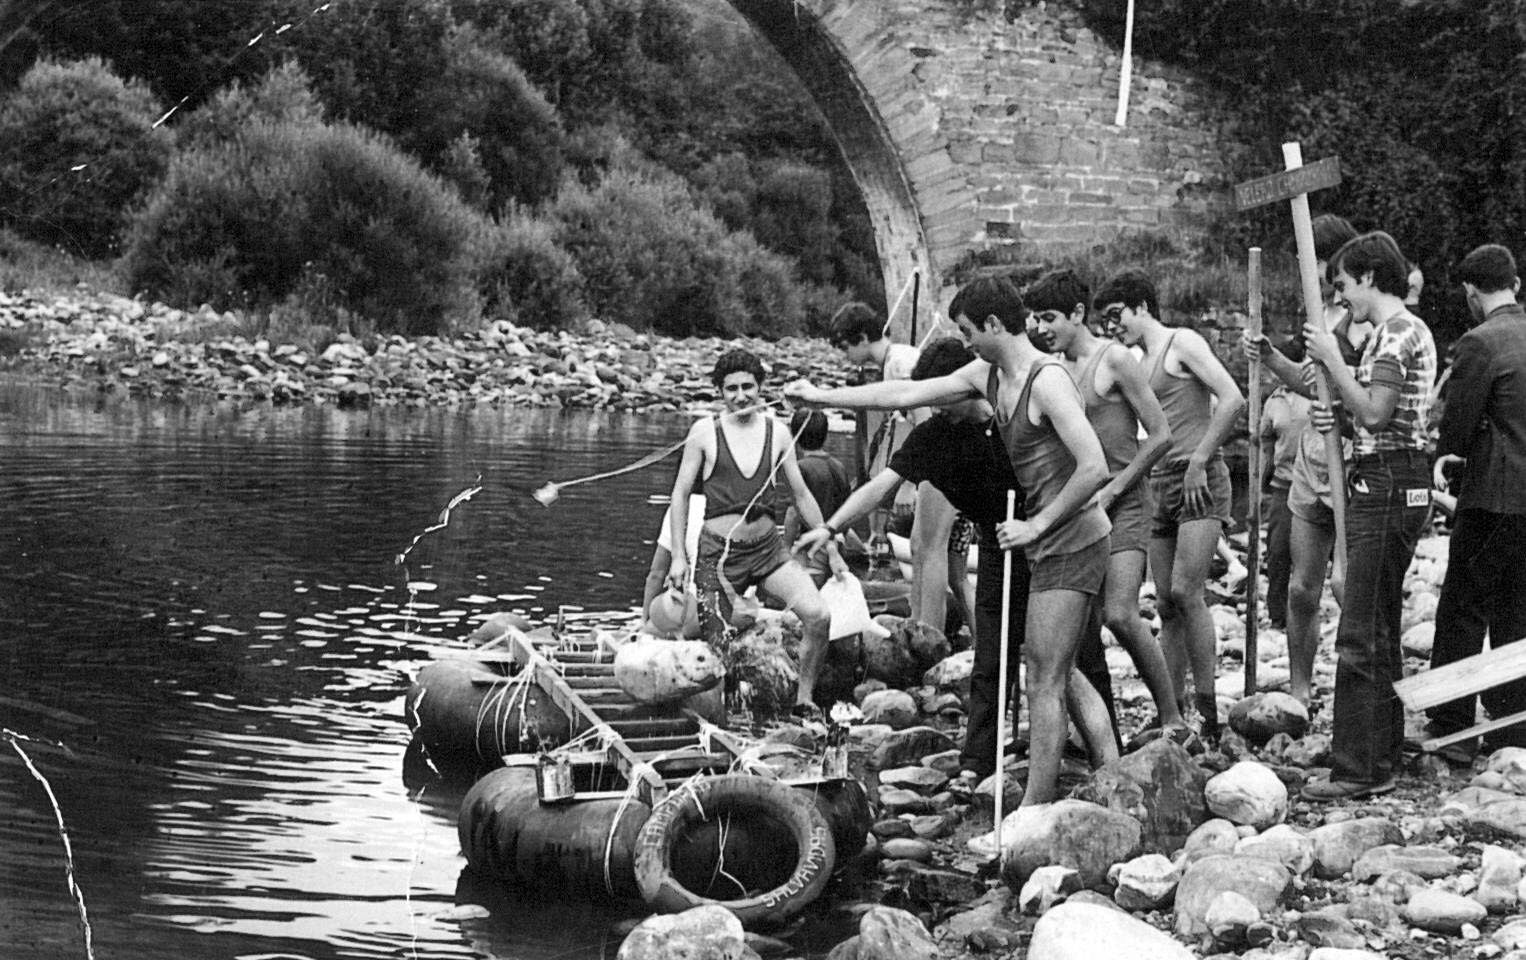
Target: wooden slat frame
[{"x": 1464, "y": 678}]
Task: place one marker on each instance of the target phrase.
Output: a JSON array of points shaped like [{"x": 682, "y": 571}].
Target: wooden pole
[
  {"x": 1253, "y": 532},
  {"x": 1314, "y": 312},
  {"x": 1002, "y": 673}
]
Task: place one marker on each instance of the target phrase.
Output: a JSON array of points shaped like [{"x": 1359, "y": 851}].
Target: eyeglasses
[{"x": 1113, "y": 315}]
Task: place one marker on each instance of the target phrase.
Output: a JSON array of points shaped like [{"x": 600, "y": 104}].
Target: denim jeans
[
  {"x": 979, "y": 750},
  {"x": 1485, "y": 590},
  {"x": 1388, "y": 503}
]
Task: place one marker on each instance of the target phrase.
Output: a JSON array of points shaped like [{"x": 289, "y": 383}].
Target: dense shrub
[
  {"x": 651, "y": 257},
  {"x": 332, "y": 216},
  {"x": 529, "y": 279},
  {"x": 284, "y": 95},
  {"x": 77, "y": 147}
]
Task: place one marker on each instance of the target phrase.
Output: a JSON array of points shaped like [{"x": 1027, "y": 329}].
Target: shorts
[
  {"x": 1130, "y": 515},
  {"x": 1080, "y": 570},
  {"x": 1171, "y": 510},
  {"x": 961, "y": 536},
  {"x": 1309, "y": 496},
  {"x": 749, "y": 562}
]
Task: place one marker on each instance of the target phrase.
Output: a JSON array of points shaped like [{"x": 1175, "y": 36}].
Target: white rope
[{"x": 63, "y": 834}]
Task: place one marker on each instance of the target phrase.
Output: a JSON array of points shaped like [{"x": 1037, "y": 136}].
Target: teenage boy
[
  {"x": 1190, "y": 486},
  {"x": 825, "y": 476},
  {"x": 939, "y": 538},
  {"x": 1058, "y": 463},
  {"x": 1484, "y": 427},
  {"x": 1388, "y": 397},
  {"x": 1118, "y": 401},
  {"x": 736, "y": 455},
  {"x": 1311, "y": 524},
  {"x": 956, "y": 450}
]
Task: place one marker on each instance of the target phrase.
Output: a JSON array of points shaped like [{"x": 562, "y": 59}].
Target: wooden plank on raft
[
  {"x": 1436, "y": 743},
  {"x": 1463, "y": 678}
]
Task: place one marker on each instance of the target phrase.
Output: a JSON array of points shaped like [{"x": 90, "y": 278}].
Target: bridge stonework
[{"x": 976, "y": 123}]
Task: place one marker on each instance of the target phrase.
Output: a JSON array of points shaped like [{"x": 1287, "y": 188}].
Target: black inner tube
[{"x": 759, "y": 853}]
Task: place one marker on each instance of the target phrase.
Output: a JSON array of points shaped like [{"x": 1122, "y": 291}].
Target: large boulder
[
  {"x": 1262, "y": 882},
  {"x": 709, "y": 932},
  {"x": 1441, "y": 911},
  {"x": 906, "y": 747},
  {"x": 887, "y": 933},
  {"x": 1159, "y": 786},
  {"x": 1084, "y": 931},
  {"x": 1506, "y": 816},
  {"x": 893, "y": 707},
  {"x": 1338, "y": 845},
  {"x": 1261, "y": 716},
  {"x": 1248, "y": 793},
  {"x": 1070, "y": 833},
  {"x": 1499, "y": 880},
  {"x": 1510, "y": 764},
  {"x": 952, "y": 674}
]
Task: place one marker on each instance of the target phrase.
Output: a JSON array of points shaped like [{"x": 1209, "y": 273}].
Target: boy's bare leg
[
  {"x": 1120, "y": 611},
  {"x": 1054, "y": 623},
  {"x": 1091, "y": 716},
  {"x": 1310, "y": 545},
  {"x": 793, "y": 585},
  {"x": 1196, "y": 541},
  {"x": 1172, "y": 646}
]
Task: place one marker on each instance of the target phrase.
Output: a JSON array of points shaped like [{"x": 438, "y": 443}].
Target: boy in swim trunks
[
  {"x": 1118, "y": 401},
  {"x": 736, "y": 456},
  {"x": 1190, "y": 486}
]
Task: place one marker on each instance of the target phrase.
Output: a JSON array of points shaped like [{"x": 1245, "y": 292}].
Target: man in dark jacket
[{"x": 1484, "y": 429}]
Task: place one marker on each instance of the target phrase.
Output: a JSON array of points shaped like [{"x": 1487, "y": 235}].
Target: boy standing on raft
[
  {"x": 1190, "y": 486},
  {"x": 1058, "y": 462},
  {"x": 1118, "y": 401},
  {"x": 735, "y": 457}
]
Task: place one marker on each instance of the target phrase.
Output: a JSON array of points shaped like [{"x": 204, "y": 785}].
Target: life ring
[{"x": 763, "y": 804}]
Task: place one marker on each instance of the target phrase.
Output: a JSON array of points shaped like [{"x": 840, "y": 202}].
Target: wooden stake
[
  {"x": 1314, "y": 311},
  {"x": 1253, "y": 532}
]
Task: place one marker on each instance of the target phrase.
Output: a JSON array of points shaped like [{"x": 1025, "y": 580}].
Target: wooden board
[
  {"x": 1320, "y": 175},
  {"x": 1463, "y": 678}
]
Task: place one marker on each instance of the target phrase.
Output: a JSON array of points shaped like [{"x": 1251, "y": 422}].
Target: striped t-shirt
[{"x": 1400, "y": 354}]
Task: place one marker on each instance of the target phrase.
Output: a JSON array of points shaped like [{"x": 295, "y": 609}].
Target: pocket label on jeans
[{"x": 1417, "y": 498}]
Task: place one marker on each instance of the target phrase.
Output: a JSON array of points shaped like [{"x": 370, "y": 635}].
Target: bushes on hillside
[
  {"x": 332, "y": 216},
  {"x": 77, "y": 147}
]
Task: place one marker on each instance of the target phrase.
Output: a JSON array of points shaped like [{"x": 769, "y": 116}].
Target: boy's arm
[
  {"x": 805, "y": 502},
  {"x": 962, "y": 384},
  {"x": 1199, "y": 359},
  {"x": 678, "y": 511},
  {"x": 1136, "y": 390}
]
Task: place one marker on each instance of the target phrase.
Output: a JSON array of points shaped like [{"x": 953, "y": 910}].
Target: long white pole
[
  {"x": 1002, "y": 674},
  {"x": 1126, "y": 72}
]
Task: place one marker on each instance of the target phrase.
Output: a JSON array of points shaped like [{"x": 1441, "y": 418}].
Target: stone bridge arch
[{"x": 970, "y": 124}]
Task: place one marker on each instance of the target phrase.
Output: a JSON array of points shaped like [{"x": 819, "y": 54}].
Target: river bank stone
[
  {"x": 1084, "y": 931},
  {"x": 1261, "y": 882},
  {"x": 1159, "y": 786},
  {"x": 706, "y": 932},
  {"x": 1338, "y": 845},
  {"x": 1069, "y": 833},
  {"x": 1248, "y": 793}
]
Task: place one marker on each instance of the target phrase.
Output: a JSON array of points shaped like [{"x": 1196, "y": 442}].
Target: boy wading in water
[
  {"x": 1388, "y": 396},
  {"x": 1059, "y": 464},
  {"x": 1118, "y": 401},
  {"x": 1190, "y": 486},
  {"x": 734, "y": 456}
]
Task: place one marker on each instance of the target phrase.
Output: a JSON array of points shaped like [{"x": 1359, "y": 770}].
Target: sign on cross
[{"x": 1293, "y": 184}]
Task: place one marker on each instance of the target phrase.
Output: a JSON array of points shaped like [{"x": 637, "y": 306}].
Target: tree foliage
[{"x": 77, "y": 148}]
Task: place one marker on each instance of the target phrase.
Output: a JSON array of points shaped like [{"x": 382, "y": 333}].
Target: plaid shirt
[{"x": 1400, "y": 354}]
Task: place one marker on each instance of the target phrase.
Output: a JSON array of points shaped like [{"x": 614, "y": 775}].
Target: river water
[{"x": 206, "y": 635}]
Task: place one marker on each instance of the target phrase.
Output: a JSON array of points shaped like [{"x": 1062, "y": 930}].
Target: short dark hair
[
  {"x": 1330, "y": 234},
  {"x": 1490, "y": 268},
  {"x": 991, "y": 297},
  {"x": 1130, "y": 288},
  {"x": 1378, "y": 254},
  {"x": 855, "y": 323},
  {"x": 1058, "y": 290},
  {"x": 809, "y": 428},
  {"x": 941, "y": 358},
  {"x": 737, "y": 360}
]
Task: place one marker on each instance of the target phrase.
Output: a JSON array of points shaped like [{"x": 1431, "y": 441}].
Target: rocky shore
[
  {"x": 1172, "y": 852},
  {"x": 114, "y": 345}
]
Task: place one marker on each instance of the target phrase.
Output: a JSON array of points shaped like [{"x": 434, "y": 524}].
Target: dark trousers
[
  {"x": 1485, "y": 590},
  {"x": 1279, "y": 555},
  {"x": 1381, "y": 530},
  {"x": 979, "y": 751}
]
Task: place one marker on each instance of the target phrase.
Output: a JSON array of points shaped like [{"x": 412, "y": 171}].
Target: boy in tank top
[
  {"x": 735, "y": 457},
  {"x": 1190, "y": 486},
  {"x": 1118, "y": 401},
  {"x": 1059, "y": 464}
]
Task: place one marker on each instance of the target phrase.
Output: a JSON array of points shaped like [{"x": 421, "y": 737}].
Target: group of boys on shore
[{"x": 1082, "y": 436}]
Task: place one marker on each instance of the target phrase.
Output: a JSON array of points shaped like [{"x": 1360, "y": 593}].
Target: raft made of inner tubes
[
  {"x": 756, "y": 846},
  {"x": 465, "y": 715}
]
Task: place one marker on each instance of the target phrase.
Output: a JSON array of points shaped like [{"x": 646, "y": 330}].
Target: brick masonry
[{"x": 967, "y": 129}]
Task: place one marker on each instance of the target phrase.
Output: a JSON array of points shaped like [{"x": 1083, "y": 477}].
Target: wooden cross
[{"x": 1293, "y": 184}]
